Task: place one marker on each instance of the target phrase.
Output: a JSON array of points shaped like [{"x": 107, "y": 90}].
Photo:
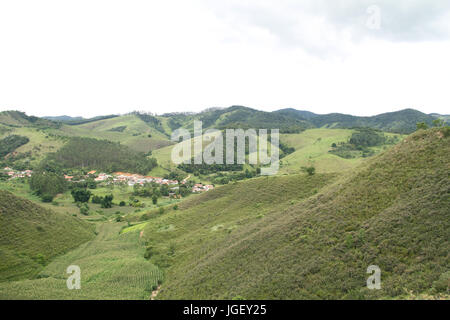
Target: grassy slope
[
  {"x": 199, "y": 228},
  {"x": 135, "y": 135},
  {"x": 311, "y": 148},
  {"x": 112, "y": 267},
  {"x": 32, "y": 235},
  {"x": 40, "y": 143},
  {"x": 259, "y": 239}
]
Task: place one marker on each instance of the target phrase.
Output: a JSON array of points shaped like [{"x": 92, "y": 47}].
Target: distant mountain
[
  {"x": 287, "y": 120},
  {"x": 403, "y": 121},
  {"x": 445, "y": 117},
  {"x": 238, "y": 117},
  {"x": 297, "y": 114},
  {"x": 81, "y": 120},
  {"x": 64, "y": 118}
]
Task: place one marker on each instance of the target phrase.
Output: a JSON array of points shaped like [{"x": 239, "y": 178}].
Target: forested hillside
[{"x": 101, "y": 155}]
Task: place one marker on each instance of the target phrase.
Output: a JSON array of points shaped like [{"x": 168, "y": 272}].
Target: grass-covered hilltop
[{"x": 103, "y": 194}]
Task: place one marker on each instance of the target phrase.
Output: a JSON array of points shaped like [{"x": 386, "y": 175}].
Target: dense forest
[
  {"x": 101, "y": 155},
  {"x": 11, "y": 143}
]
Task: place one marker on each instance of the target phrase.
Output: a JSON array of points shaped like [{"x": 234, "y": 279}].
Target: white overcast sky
[{"x": 97, "y": 57}]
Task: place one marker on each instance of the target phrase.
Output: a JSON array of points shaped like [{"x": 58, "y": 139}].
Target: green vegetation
[
  {"x": 289, "y": 237},
  {"x": 20, "y": 119},
  {"x": 47, "y": 184},
  {"x": 81, "y": 195},
  {"x": 309, "y": 232},
  {"x": 112, "y": 267},
  {"x": 32, "y": 236},
  {"x": 11, "y": 143},
  {"x": 361, "y": 142},
  {"x": 101, "y": 155},
  {"x": 403, "y": 121}
]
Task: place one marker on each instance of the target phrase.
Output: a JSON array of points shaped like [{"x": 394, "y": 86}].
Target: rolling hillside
[
  {"x": 129, "y": 130},
  {"x": 32, "y": 236},
  {"x": 112, "y": 267},
  {"x": 300, "y": 237},
  {"x": 403, "y": 121}
]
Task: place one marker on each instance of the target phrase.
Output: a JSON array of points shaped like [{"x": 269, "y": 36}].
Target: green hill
[
  {"x": 101, "y": 155},
  {"x": 301, "y": 237},
  {"x": 112, "y": 267},
  {"x": 237, "y": 117},
  {"x": 129, "y": 130},
  {"x": 32, "y": 236},
  {"x": 20, "y": 119},
  {"x": 403, "y": 121}
]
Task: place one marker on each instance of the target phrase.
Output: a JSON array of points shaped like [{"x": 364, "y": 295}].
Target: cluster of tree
[
  {"x": 105, "y": 202},
  {"x": 311, "y": 170},
  {"x": 285, "y": 150},
  {"x": 175, "y": 175},
  {"x": 360, "y": 142},
  {"x": 225, "y": 178},
  {"x": 101, "y": 155},
  {"x": 118, "y": 129},
  {"x": 155, "y": 191},
  {"x": 366, "y": 137},
  {"x": 11, "y": 143},
  {"x": 88, "y": 183},
  {"x": 245, "y": 118},
  {"x": 81, "y": 195},
  {"x": 150, "y": 119},
  {"x": 47, "y": 184},
  {"x": 151, "y": 189},
  {"x": 20, "y": 161},
  {"x": 204, "y": 169},
  {"x": 436, "y": 123}
]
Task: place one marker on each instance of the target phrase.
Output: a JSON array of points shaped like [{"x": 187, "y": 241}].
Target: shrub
[
  {"x": 81, "y": 195},
  {"x": 107, "y": 201},
  {"x": 422, "y": 126},
  {"x": 47, "y": 198},
  {"x": 84, "y": 209},
  {"x": 309, "y": 170},
  {"x": 97, "y": 199}
]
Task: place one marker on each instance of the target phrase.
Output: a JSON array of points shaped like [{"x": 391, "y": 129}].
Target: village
[
  {"x": 13, "y": 174},
  {"x": 130, "y": 179}
]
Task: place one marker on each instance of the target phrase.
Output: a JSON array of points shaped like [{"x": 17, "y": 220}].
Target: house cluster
[
  {"x": 198, "y": 187},
  {"x": 132, "y": 179},
  {"x": 17, "y": 174}
]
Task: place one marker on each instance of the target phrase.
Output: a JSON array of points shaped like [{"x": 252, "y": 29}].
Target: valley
[{"x": 103, "y": 194}]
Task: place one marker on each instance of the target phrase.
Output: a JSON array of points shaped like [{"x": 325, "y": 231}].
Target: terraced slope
[
  {"x": 112, "y": 267},
  {"x": 32, "y": 236},
  {"x": 289, "y": 237}
]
